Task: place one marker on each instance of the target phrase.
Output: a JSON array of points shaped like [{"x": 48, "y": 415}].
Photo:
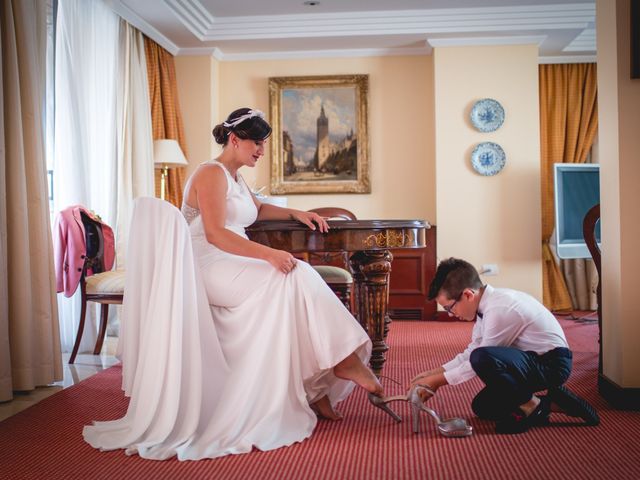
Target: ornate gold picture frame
[{"x": 319, "y": 142}]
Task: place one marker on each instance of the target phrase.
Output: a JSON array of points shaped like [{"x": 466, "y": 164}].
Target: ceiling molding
[
  {"x": 477, "y": 41},
  {"x": 488, "y": 19},
  {"x": 584, "y": 42},
  {"x": 567, "y": 59},
  {"x": 306, "y": 54},
  {"x": 149, "y": 30},
  {"x": 244, "y": 57},
  {"x": 564, "y": 32},
  {"x": 192, "y": 14}
]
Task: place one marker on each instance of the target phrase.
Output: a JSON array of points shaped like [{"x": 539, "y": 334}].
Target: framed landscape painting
[{"x": 319, "y": 142}]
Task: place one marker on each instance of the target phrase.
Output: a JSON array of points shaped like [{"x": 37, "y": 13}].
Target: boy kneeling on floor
[{"x": 517, "y": 348}]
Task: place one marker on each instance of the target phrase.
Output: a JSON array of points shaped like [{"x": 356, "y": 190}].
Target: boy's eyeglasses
[{"x": 449, "y": 308}]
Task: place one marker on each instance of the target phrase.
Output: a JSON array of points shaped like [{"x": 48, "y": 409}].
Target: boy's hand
[
  {"x": 428, "y": 373},
  {"x": 432, "y": 379}
]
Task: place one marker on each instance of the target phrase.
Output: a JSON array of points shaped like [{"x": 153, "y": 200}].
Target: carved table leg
[{"x": 371, "y": 292}]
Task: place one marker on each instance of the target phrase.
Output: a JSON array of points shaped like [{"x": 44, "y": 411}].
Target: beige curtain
[
  {"x": 165, "y": 112},
  {"x": 29, "y": 335},
  {"x": 568, "y": 124},
  {"x": 581, "y": 277},
  {"x": 135, "y": 142}
]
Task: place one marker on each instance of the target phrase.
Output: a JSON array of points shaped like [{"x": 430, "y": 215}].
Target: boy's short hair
[{"x": 452, "y": 277}]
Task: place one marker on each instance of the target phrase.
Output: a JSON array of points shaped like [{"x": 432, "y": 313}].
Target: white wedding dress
[{"x": 211, "y": 381}]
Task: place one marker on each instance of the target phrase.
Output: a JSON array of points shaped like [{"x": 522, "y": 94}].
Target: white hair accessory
[{"x": 237, "y": 121}]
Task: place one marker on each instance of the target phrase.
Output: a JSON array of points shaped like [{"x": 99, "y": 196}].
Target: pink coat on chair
[{"x": 69, "y": 247}]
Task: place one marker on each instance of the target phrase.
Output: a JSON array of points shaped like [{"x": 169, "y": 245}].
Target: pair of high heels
[
  {"x": 413, "y": 397},
  {"x": 451, "y": 427}
]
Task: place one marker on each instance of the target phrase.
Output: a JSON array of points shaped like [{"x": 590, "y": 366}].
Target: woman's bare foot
[
  {"x": 324, "y": 409},
  {"x": 352, "y": 368}
]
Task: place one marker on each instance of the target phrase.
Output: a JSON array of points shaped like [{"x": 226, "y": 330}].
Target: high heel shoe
[
  {"x": 381, "y": 403},
  {"x": 451, "y": 427}
]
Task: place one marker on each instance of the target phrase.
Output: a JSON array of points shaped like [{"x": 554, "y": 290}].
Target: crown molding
[
  {"x": 192, "y": 14},
  {"x": 567, "y": 59},
  {"x": 493, "y": 20},
  {"x": 489, "y": 19},
  {"x": 477, "y": 41},
  {"x": 584, "y": 42},
  {"x": 305, "y": 54},
  {"x": 134, "y": 19}
]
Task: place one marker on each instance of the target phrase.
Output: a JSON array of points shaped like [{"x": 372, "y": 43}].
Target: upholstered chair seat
[{"x": 338, "y": 278}]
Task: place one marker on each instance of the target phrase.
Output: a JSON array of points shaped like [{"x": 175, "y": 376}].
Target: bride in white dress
[{"x": 293, "y": 351}]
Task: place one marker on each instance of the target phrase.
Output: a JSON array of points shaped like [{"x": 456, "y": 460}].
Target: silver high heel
[
  {"x": 381, "y": 403},
  {"x": 450, "y": 427}
]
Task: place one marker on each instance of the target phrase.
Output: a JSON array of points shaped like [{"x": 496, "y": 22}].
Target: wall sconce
[{"x": 167, "y": 154}]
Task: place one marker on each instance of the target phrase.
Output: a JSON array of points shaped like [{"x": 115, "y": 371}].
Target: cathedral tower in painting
[{"x": 323, "y": 147}]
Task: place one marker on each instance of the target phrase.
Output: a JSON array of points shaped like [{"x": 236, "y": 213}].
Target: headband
[{"x": 237, "y": 121}]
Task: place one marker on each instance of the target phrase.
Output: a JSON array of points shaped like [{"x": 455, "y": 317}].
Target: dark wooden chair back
[
  {"x": 336, "y": 259},
  {"x": 334, "y": 213},
  {"x": 589, "y": 232}
]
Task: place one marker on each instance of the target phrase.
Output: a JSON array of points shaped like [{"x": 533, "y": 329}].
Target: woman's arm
[
  {"x": 211, "y": 187},
  {"x": 272, "y": 212}
]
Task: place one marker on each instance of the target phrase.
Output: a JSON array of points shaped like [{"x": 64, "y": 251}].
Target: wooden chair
[
  {"x": 589, "y": 232},
  {"x": 333, "y": 267},
  {"x": 96, "y": 285}
]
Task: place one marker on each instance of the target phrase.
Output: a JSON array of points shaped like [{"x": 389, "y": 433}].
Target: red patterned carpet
[{"x": 45, "y": 441}]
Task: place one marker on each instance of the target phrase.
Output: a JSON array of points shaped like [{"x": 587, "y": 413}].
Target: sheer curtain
[
  {"x": 85, "y": 129},
  {"x": 103, "y": 153},
  {"x": 29, "y": 337}
]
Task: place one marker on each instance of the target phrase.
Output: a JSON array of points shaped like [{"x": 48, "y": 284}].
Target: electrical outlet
[{"x": 489, "y": 269}]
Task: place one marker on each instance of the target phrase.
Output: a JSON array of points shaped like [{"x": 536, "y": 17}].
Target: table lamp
[{"x": 167, "y": 154}]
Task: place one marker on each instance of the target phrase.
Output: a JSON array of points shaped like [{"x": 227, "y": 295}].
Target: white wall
[
  {"x": 619, "y": 144},
  {"x": 197, "y": 78},
  {"x": 400, "y": 126},
  {"x": 484, "y": 220},
  {"x": 490, "y": 220}
]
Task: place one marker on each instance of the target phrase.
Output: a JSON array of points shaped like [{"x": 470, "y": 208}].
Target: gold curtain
[
  {"x": 166, "y": 118},
  {"x": 568, "y": 124},
  {"x": 29, "y": 330}
]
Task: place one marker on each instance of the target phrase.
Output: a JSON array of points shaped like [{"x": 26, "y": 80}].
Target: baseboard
[
  {"x": 619, "y": 397},
  {"x": 441, "y": 316}
]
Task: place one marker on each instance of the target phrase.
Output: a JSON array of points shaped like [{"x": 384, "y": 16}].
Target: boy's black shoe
[
  {"x": 573, "y": 405},
  {"x": 518, "y": 422}
]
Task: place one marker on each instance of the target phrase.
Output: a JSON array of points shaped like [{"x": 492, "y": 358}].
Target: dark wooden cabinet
[{"x": 411, "y": 273}]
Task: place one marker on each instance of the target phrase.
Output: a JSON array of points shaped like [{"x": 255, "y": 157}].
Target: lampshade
[{"x": 167, "y": 153}]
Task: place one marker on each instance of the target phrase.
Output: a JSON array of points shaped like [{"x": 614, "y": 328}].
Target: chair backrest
[
  {"x": 165, "y": 298},
  {"x": 589, "y": 233},
  {"x": 94, "y": 244},
  {"x": 336, "y": 259},
  {"x": 334, "y": 213}
]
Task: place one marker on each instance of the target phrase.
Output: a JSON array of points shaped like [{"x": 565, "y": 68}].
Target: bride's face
[{"x": 250, "y": 151}]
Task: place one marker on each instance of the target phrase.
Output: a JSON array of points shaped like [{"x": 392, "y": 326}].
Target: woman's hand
[
  {"x": 311, "y": 219},
  {"x": 281, "y": 260}
]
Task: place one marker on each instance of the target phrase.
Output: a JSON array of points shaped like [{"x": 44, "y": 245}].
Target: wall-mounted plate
[
  {"x": 488, "y": 158},
  {"x": 487, "y": 115}
]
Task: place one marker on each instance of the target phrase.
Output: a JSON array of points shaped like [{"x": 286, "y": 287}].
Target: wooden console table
[{"x": 368, "y": 242}]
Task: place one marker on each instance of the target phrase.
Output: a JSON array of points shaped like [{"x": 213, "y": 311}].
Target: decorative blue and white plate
[
  {"x": 487, "y": 115},
  {"x": 488, "y": 158}
]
